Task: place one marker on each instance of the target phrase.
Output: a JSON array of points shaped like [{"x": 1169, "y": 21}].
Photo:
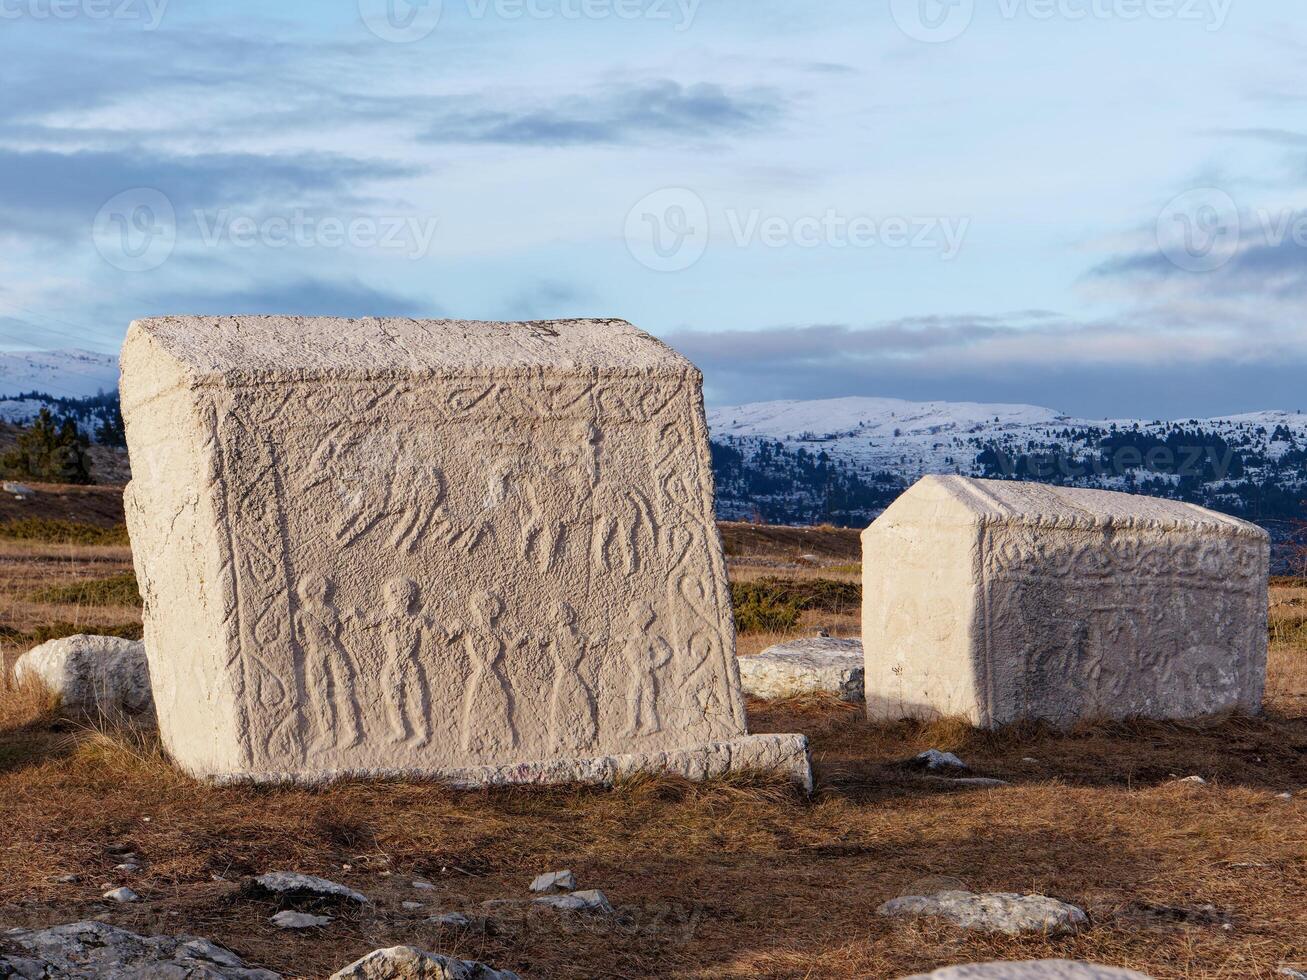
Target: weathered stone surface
[
  {"x": 122, "y": 895},
  {"x": 286, "y": 919},
  {"x": 813, "y": 664},
  {"x": 92, "y": 674},
  {"x": 994, "y": 912},
  {"x": 411, "y": 963},
  {"x": 98, "y": 951},
  {"x": 554, "y": 881},
  {"x": 998, "y": 602},
  {"x": 472, "y": 551},
  {"x": 592, "y": 900},
  {"x": 1031, "y": 970},
  {"x": 292, "y": 884}
]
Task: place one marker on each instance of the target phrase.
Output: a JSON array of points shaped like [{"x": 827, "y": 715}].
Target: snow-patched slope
[
  {"x": 912, "y": 438},
  {"x": 61, "y": 373}
]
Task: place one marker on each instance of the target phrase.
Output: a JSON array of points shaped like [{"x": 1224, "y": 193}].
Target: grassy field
[{"x": 739, "y": 878}]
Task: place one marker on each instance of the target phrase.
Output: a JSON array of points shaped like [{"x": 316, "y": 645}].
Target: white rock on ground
[
  {"x": 993, "y": 912},
  {"x": 92, "y": 674},
  {"x": 586, "y": 901},
  {"x": 411, "y": 963},
  {"x": 123, "y": 894},
  {"x": 813, "y": 664},
  {"x": 292, "y": 884},
  {"x": 935, "y": 759},
  {"x": 299, "y": 920},
  {"x": 554, "y": 881},
  {"x": 451, "y": 920},
  {"x": 99, "y": 951},
  {"x": 1031, "y": 970},
  {"x": 424, "y": 886}
]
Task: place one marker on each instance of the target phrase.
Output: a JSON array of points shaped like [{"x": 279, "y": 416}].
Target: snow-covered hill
[
  {"x": 844, "y": 459},
  {"x": 61, "y": 373}
]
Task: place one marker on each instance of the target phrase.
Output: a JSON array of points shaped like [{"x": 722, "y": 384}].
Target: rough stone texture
[
  {"x": 286, "y": 919},
  {"x": 995, "y": 912},
  {"x": 292, "y": 884},
  {"x": 815, "y": 664},
  {"x": 554, "y": 881},
  {"x": 475, "y": 551},
  {"x": 92, "y": 674},
  {"x": 411, "y": 963},
  {"x": 592, "y": 900},
  {"x": 1031, "y": 970},
  {"x": 123, "y": 894},
  {"x": 98, "y": 951},
  {"x": 999, "y": 601}
]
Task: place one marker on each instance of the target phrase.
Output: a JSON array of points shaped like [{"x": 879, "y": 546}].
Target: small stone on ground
[
  {"x": 586, "y": 901},
  {"x": 933, "y": 759},
  {"x": 554, "y": 881},
  {"x": 295, "y": 885},
  {"x": 812, "y": 665},
  {"x": 299, "y": 920},
  {"x": 995, "y": 912},
  {"x": 1031, "y": 970},
  {"x": 411, "y": 963},
  {"x": 123, "y": 894},
  {"x": 99, "y": 951}
]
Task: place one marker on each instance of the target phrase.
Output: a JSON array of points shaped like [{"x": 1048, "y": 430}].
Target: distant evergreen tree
[
  {"x": 50, "y": 451},
  {"x": 112, "y": 431}
]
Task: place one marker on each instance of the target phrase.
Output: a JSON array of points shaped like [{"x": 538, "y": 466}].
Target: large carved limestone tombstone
[
  {"x": 998, "y": 602},
  {"x": 482, "y": 552}
]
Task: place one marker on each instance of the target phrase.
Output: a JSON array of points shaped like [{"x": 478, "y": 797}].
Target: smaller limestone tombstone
[
  {"x": 818, "y": 664},
  {"x": 91, "y": 674},
  {"x": 1000, "y": 601}
]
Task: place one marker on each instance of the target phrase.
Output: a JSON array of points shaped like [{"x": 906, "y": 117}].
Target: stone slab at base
[
  {"x": 814, "y": 664},
  {"x": 765, "y": 753}
]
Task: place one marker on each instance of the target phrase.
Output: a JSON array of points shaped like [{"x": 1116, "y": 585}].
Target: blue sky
[{"x": 1095, "y": 205}]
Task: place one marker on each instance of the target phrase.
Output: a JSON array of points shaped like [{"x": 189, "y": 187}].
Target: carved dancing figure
[
  {"x": 488, "y": 705},
  {"x": 572, "y": 724},
  {"x": 402, "y": 673},
  {"x": 557, "y": 497},
  {"x": 329, "y": 672},
  {"x": 647, "y": 654}
]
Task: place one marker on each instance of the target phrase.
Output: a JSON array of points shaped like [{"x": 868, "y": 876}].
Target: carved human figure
[
  {"x": 330, "y": 676},
  {"x": 487, "y": 723},
  {"x": 647, "y": 653},
  {"x": 403, "y": 677},
  {"x": 572, "y": 724},
  {"x": 557, "y": 497}
]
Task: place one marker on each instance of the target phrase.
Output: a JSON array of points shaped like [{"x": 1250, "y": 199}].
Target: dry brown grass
[{"x": 738, "y": 878}]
